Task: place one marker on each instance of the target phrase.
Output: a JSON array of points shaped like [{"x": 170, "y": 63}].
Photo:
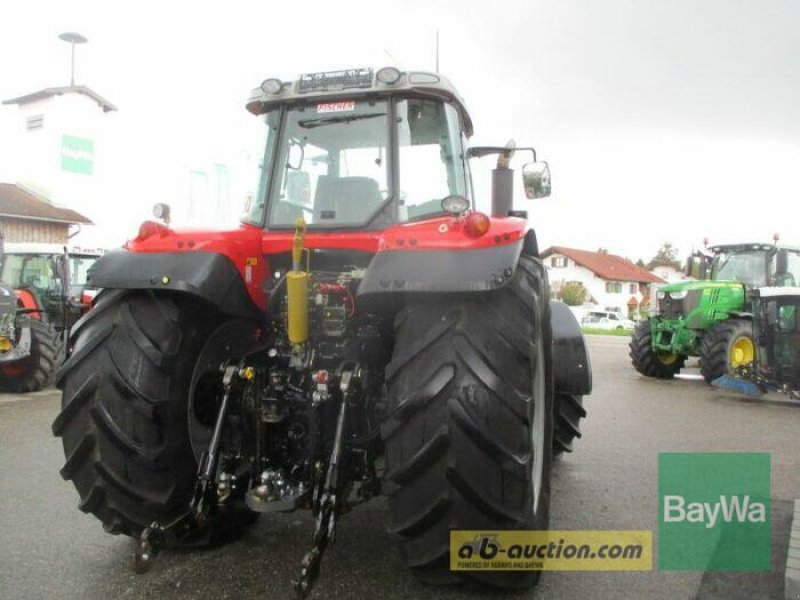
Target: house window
[
  {"x": 613, "y": 287},
  {"x": 558, "y": 262},
  {"x": 633, "y": 288},
  {"x": 34, "y": 122}
]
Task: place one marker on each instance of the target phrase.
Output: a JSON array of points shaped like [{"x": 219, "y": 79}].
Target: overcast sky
[{"x": 661, "y": 120}]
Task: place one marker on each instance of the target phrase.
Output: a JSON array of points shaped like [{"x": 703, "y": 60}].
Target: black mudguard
[
  {"x": 206, "y": 275},
  {"x": 439, "y": 271},
  {"x": 572, "y": 369}
]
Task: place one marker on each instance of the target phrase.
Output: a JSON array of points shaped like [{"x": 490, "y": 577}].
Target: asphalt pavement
[{"x": 50, "y": 549}]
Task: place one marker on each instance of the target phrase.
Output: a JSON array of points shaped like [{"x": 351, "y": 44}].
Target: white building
[
  {"x": 611, "y": 282},
  {"x": 66, "y": 144},
  {"x": 670, "y": 274},
  {"x": 56, "y": 148}
]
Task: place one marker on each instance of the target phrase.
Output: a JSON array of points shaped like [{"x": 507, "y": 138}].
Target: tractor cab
[
  {"x": 356, "y": 150},
  {"x": 754, "y": 265}
]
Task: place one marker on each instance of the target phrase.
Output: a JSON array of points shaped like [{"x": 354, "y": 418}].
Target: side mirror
[{"x": 536, "y": 179}]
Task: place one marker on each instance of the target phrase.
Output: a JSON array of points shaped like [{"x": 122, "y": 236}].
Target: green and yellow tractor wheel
[{"x": 727, "y": 347}]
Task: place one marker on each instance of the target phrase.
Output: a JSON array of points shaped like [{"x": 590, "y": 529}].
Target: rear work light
[
  {"x": 455, "y": 205},
  {"x": 271, "y": 86},
  {"x": 389, "y": 75},
  {"x": 476, "y": 224},
  {"x": 151, "y": 228}
]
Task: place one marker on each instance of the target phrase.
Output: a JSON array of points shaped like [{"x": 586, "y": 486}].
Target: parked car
[{"x": 604, "y": 319}]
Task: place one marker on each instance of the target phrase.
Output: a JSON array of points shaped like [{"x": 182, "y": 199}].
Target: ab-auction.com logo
[
  {"x": 714, "y": 511},
  {"x": 539, "y": 550}
]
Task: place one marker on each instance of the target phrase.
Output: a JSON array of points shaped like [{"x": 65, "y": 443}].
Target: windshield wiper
[{"x": 312, "y": 123}]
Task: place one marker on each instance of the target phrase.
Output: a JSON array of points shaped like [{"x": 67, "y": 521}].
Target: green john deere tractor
[{"x": 711, "y": 318}]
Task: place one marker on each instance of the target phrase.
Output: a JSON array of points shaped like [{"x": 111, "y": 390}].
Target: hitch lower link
[
  {"x": 325, "y": 526},
  {"x": 155, "y": 537}
]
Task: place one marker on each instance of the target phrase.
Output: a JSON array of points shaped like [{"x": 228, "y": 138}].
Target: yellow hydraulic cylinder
[{"x": 297, "y": 289}]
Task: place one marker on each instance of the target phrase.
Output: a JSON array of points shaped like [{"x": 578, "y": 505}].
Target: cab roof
[
  {"x": 358, "y": 83},
  {"x": 755, "y": 246}
]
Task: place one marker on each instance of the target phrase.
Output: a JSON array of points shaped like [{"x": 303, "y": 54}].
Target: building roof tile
[
  {"x": 607, "y": 266},
  {"x": 21, "y": 203}
]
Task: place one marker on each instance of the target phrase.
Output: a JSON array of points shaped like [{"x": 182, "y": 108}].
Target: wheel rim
[
  {"x": 537, "y": 430},
  {"x": 667, "y": 359},
  {"x": 742, "y": 352}
]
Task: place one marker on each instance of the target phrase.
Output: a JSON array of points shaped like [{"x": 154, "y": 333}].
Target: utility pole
[{"x": 72, "y": 38}]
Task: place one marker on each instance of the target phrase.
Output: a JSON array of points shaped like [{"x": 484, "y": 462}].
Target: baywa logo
[
  {"x": 729, "y": 509},
  {"x": 714, "y": 512}
]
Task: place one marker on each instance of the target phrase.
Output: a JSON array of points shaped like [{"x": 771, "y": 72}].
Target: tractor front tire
[
  {"x": 648, "y": 362},
  {"x": 726, "y": 346},
  {"x": 124, "y": 412},
  {"x": 36, "y": 371},
  {"x": 469, "y": 431}
]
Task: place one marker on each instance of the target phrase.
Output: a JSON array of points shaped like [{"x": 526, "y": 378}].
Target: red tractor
[
  {"x": 43, "y": 292},
  {"x": 364, "y": 331}
]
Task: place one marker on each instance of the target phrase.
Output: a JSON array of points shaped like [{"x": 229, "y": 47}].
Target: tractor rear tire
[
  {"x": 124, "y": 412},
  {"x": 36, "y": 371},
  {"x": 469, "y": 432},
  {"x": 718, "y": 348},
  {"x": 650, "y": 363},
  {"x": 569, "y": 411}
]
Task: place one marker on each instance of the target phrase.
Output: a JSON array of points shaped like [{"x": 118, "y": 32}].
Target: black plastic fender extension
[
  {"x": 572, "y": 369},
  {"x": 440, "y": 271},
  {"x": 206, "y": 275}
]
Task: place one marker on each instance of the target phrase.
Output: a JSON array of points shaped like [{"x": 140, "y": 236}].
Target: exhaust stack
[{"x": 503, "y": 183}]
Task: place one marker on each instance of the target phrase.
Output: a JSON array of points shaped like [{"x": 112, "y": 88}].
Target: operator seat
[{"x": 352, "y": 199}]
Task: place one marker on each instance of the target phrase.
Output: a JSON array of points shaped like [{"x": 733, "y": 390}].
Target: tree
[
  {"x": 667, "y": 256},
  {"x": 640, "y": 263},
  {"x": 573, "y": 294}
]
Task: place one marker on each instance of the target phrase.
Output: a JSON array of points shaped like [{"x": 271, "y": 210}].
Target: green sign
[
  {"x": 714, "y": 511},
  {"x": 77, "y": 155}
]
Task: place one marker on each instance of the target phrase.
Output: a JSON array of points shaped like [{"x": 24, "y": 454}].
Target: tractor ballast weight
[{"x": 353, "y": 319}]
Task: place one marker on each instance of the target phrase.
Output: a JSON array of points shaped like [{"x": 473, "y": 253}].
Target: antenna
[
  {"x": 72, "y": 38},
  {"x": 437, "y": 50},
  {"x": 390, "y": 55}
]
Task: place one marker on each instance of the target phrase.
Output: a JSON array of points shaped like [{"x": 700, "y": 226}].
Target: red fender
[{"x": 26, "y": 299}]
